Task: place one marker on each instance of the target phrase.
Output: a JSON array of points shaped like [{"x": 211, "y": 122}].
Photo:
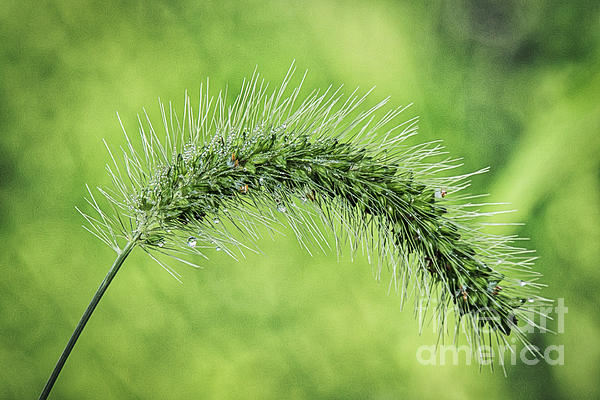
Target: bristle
[{"x": 268, "y": 158}]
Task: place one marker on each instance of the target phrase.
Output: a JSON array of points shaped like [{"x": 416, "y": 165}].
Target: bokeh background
[{"x": 511, "y": 85}]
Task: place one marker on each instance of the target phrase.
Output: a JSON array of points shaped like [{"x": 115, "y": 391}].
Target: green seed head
[{"x": 268, "y": 159}]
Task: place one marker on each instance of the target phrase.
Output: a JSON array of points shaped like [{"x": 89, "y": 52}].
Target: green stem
[{"x": 86, "y": 316}]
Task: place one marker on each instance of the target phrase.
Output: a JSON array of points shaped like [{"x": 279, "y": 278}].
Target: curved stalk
[{"x": 86, "y": 316}]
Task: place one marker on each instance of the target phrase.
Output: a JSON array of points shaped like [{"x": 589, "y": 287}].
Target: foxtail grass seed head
[{"x": 221, "y": 172}]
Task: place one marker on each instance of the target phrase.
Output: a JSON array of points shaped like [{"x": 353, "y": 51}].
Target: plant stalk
[{"x": 86, "y": 316}]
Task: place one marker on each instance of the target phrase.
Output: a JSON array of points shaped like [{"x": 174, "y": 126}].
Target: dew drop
[
  {"x": 438, "y": 194},
  {"x": 261, "y": 180},
  {"x": 192, "y": 241},
  {"x": 530, "y": 300},
  {"x": 522, "y": 283},
  {"x": 160, "y": 243},
  {"x": 216, "y": 220},
  {"x": 217, "y": 248},
  {"x": 281, "y": 208}
]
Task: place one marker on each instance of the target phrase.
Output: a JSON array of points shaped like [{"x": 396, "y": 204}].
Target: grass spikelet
[{"x": 220, "y": 173}]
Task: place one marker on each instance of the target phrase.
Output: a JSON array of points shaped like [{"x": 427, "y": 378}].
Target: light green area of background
[{"x": 512, "y": 86}]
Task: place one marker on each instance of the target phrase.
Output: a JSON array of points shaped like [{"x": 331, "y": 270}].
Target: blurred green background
[{"x": 513, "y": 85}]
